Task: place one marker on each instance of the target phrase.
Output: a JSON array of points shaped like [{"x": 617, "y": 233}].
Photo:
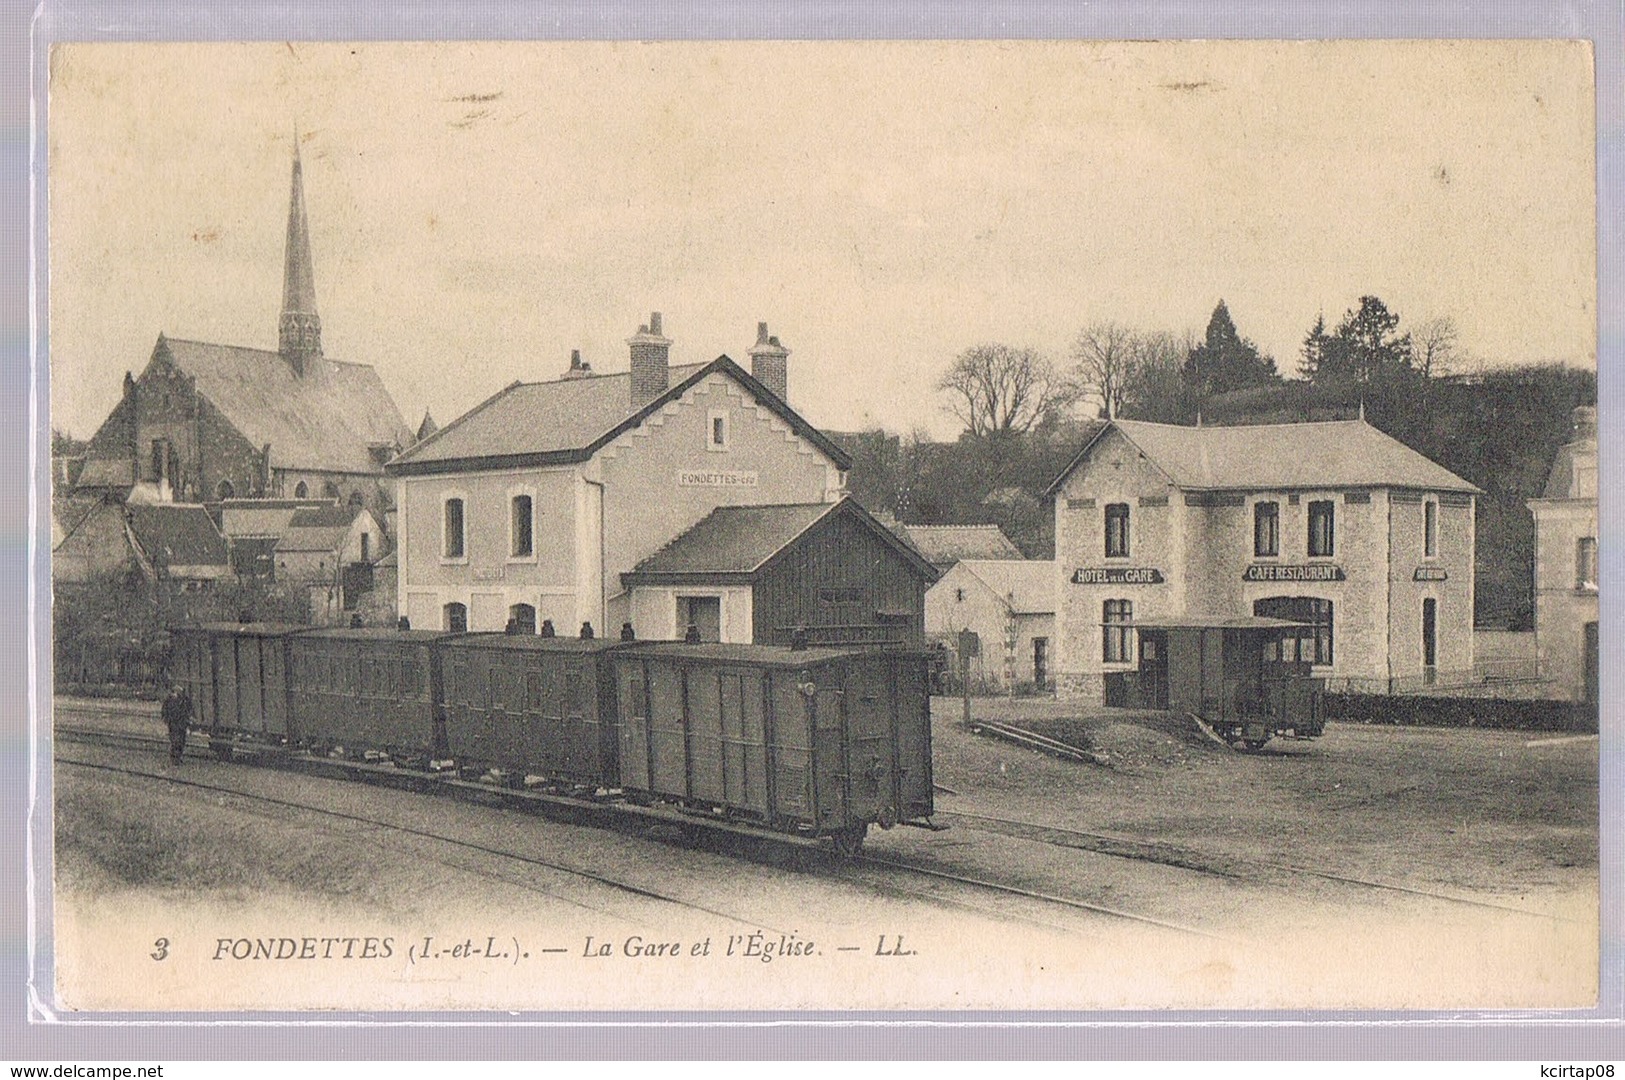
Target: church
[{"x": 205, "y": 422}]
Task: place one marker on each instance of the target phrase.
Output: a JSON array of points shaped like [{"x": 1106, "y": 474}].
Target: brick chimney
[
  {"x": 650, "y": 362},
  {"x": 770, "y": 363},
  {"x": 579, "y": 368}
]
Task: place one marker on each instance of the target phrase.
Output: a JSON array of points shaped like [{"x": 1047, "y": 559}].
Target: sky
[{"x": 479, "y": 210}]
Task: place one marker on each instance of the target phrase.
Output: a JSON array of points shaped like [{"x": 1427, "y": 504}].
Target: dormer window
[{"x": 716, "y": 430}]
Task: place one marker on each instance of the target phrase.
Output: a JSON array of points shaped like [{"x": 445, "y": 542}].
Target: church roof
[
  {"x": 570, "y": 419},
  {"x": 326, "y": 419}
]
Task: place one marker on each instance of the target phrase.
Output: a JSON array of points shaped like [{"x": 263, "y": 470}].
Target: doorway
[
  {"x": 1430, "y": 639},
  {"x": 1040, "y": 662},
  {"x": 1591, "y": 664},
  {"x": 704, "y": 613}
]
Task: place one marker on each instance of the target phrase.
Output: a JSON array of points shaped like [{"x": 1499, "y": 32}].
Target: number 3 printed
[{"x": 162, "y": 947}]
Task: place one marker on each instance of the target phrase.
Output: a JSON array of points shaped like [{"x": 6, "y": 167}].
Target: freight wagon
[
  {"x": 823, "y": 742},
  {"x": 813, "y": 742}
]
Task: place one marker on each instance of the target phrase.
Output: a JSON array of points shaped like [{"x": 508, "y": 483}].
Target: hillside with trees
[{"x": 1026, "y": 415}]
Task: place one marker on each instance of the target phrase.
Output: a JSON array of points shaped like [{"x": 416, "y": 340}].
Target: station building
[
  {"x": 1566, "y": 566},
  {"x": 1337, "y": 526},
  {"x": 531, "y": 507}
]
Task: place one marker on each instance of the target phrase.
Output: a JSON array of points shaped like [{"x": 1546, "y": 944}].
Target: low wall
[{"x": 1431, "y": 711}]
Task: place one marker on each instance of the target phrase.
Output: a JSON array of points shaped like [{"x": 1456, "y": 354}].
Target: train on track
[{"x": 806, "y": 741}]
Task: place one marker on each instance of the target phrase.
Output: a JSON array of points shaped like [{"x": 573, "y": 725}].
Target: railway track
[
  {"x": 891, "y": 865},
  {"x": 1234, "y": 867},
  {"x": 421, "y": 834}
]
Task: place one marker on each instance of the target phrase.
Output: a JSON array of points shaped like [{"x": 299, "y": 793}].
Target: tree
[
  {"x": 1225, "y": 360},
  {"x": 1106, "y": 354},
  {"x": 1436, "y": 346},
  {"x": 1315, "y": 348},
  {"x": 1156, "y": 388},
  {"x": 1364, "y": 349},
  {"x": 1000, "y": 390}
]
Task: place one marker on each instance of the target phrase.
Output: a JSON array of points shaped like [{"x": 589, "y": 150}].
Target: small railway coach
[
  {"x": 1247, "y": 677},
  {"x": 368, "y": 689},
  {"x": 531, "y": 706}
]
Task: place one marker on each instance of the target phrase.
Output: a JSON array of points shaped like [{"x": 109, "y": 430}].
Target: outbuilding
[
  {"x": 1010, "y": 605},
  {"x": 760, "y": 574}
]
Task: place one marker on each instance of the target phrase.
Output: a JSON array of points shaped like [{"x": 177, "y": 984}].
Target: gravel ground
[
  {"x": 1479, "y": 812},
  {"x": 1498, "y": 817}
]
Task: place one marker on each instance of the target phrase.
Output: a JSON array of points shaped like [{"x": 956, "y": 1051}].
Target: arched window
[
  {"x": 355, "y": 499},
  {"x": 330, "y": 490},
  {"x": 224, "y": 490},
  {"x": 523, "y": 618},
  {"x": 300, "y": 491},
  {"x": 456, "y": 618},
  {"x": 1313, "y": 643}
]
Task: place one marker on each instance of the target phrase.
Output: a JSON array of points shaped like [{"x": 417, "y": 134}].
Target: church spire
[{"x": 299, "y": 331}]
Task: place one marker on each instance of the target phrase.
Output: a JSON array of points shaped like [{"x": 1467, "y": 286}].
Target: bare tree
[
  {"x": 1106, "y": 354},
  {"x": 1155, "y": 385},
  {"x": 1436, "y": 345},
  {"x": 1000, "y": 389}
]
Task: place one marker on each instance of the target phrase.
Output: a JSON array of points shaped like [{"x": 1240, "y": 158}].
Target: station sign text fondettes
[
  {"x": 714, "y": 478},
  {"x": 1117, "y": 575},
  {"x": 1284, "y": 572}
]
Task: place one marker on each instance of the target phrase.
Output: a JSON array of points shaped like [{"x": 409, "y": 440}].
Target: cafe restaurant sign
[
  {"x": 1117, "y": 575},
  {"x": 1300, "y": 572}
]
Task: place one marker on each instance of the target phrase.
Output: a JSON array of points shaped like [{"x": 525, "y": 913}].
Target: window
[
  {"x": 1430, "y": 529},
  {"x": 1321, "y": 530},
  {"x": 456, "y": 618},
  {"x": 223, "y": 490},
  {"x": 1266, "y": 528},
  {"x": 366, "y": 547},
  {"x": 356, "y": 501},
  {"x": 1313, "y": 642},
  {"x": 1585, "y": 564},
  {"x": 522, "y": 617},
  {"x": 1117, "y": 645},
  {"x": 521, "y": 531},
  {"x": 1116, "y": 530},
  {"x": 300, "y": 491},
  {"x": 716, "y": 430},
  {"x": 330, "y": 489},
  {"x": 454, "y": 547},
  {"x": 160, "y": 456}
]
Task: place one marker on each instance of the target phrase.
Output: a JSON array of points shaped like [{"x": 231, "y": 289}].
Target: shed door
[{"x": 704, "y": 613}]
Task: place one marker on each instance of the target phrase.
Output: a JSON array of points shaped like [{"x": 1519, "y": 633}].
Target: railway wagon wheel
[{"x": 849, "y": 841}]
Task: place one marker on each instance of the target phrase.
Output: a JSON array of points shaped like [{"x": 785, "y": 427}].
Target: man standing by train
[{"x": 177, "y": 713}]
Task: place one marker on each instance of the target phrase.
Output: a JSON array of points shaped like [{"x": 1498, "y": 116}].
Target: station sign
[
  {"x": 1117, "y": 575},
  {"x": 715, "y": 478},
  {"x": 1430, "y": 573},
  {"x": 1293, "y": 572}
]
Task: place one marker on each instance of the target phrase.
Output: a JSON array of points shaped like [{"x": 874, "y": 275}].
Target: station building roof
[
  {"x": 1272, "y": 457},
  {"x": 570, "y": 419}
]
